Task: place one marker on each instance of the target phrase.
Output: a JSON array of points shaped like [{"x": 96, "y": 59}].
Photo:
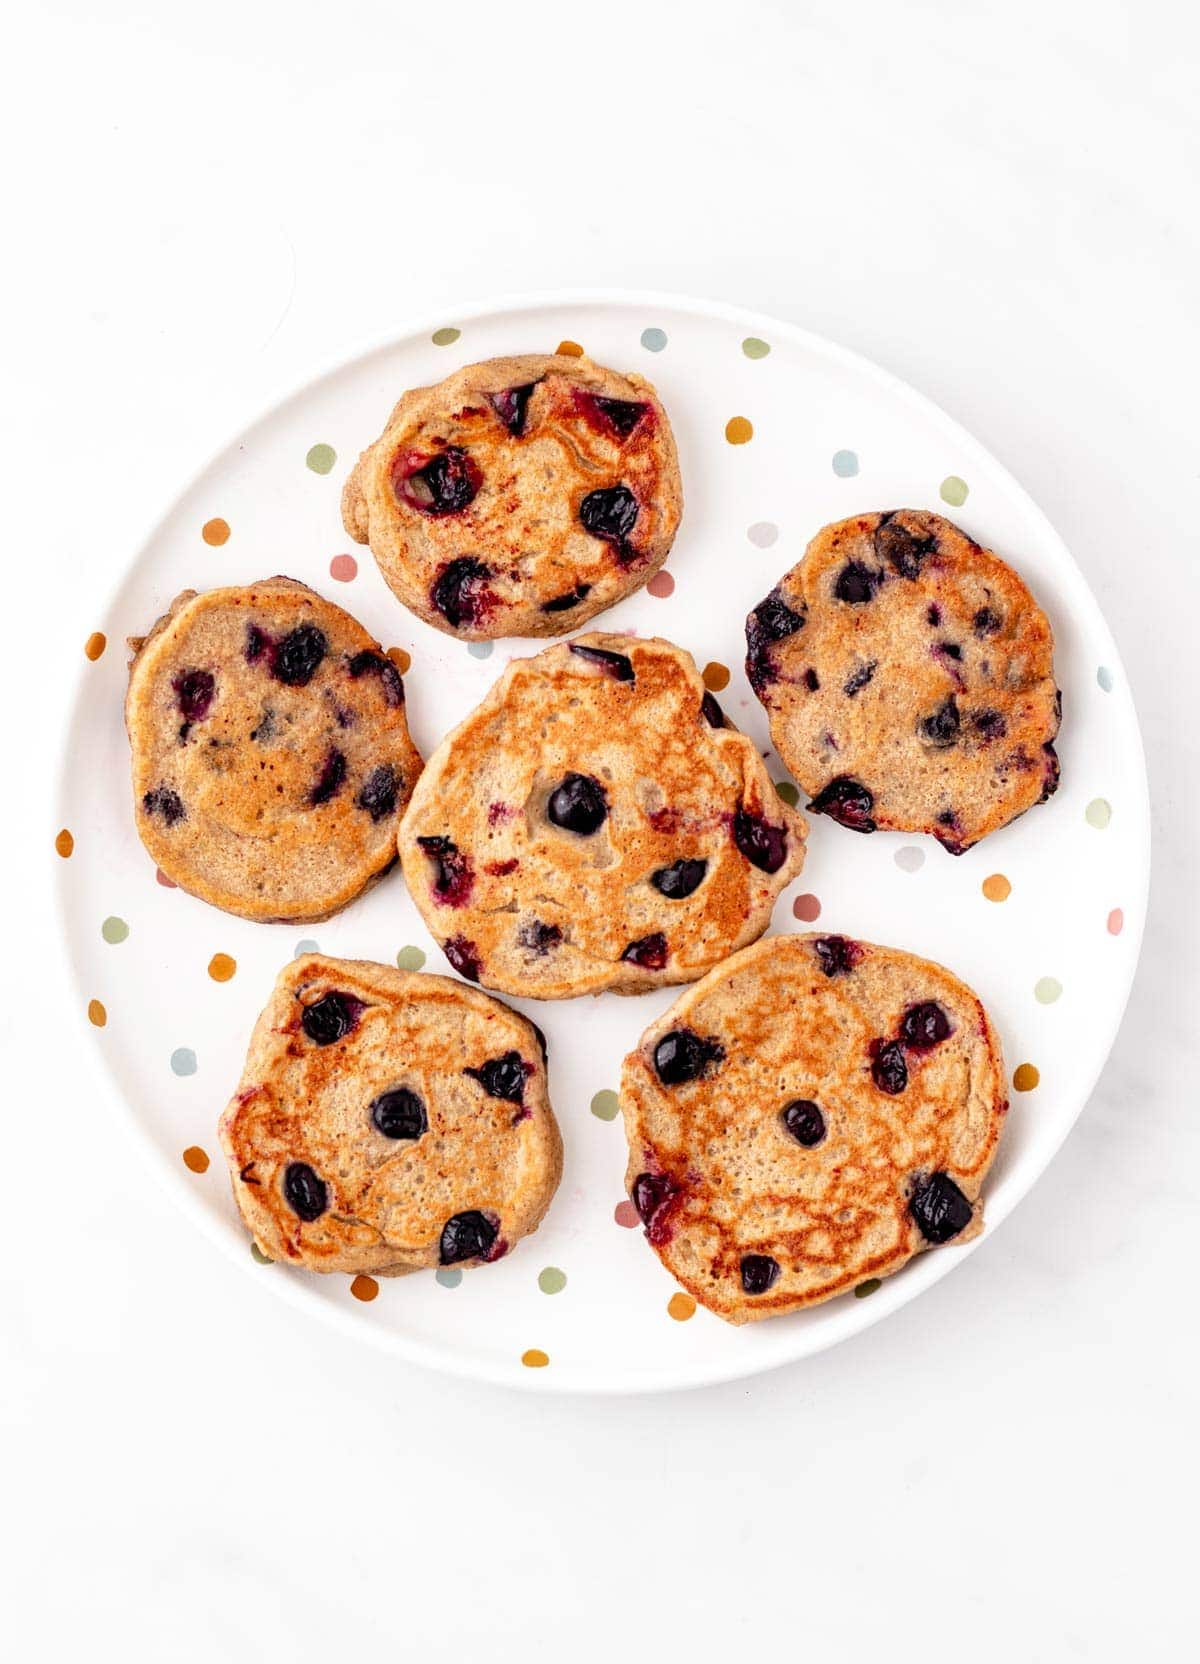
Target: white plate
[{"x": 832, "y": 436}]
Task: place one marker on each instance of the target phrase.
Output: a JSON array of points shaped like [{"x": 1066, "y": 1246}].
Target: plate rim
[{"x": 926, "y": 1269}]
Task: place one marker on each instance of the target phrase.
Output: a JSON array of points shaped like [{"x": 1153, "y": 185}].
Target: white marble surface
[{"x": 997, "y": 203}]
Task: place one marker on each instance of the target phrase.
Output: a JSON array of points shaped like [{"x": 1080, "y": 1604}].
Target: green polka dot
[
  {"x": 606, "y": 1106},
  {"x": 114, "y": 930},
  {"x": 1105, "y": 678},
  {"x": 1098, "y": 813},
  {"x": 256, "y": 1253},
  {"x": 654, "y": 340},
  {"x": 183, "y": 1061},
  {"x": 552, "y": 1280},
  {"x": 787, "y": 792},
  {"x": 845, "y": 464},
  {"x": 869, "y": 1287},
  {"x": 449, "y": 1276},
  {"x": 953, "y": 491},
  {"x": 410, "y": 959},
  {"x": 306, "y": 946},
  {"x": 321, "y": 458},
  {"x": 481, "y": 649},
  {"x": 1047, "y": 989},
  {"x": 754, "y": 348},
  {"x": 445, "y": 338}
]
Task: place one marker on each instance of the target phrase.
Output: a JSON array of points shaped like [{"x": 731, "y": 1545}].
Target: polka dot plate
[{"x": 779, "y": 432}]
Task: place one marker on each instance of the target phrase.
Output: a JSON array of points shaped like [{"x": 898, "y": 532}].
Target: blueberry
[
  {"x": 379, "y": 791},
  {"x": 375, "y": 664},
  {"x": 934, "y": 615},
  {"x": 446, "y": 484},
  {"x": 941, "y": 729},
  {"x": 804, "y": 1121},
  {"x": 467, "y": 1236},
  {"x": 617, "y": 665},
  {"x": 266, "y": 726},
  {"x": 847, "y": 801},
  {"x": 460, "y": 591},
  {"x": 163, "y": 801},
  {"x": 464, "y": 956},
  {"x": 257, "y": 643},
  {"x": 331, "y": 1018},
  {"x": 1053, "y": 771},
  {"x": 811, "y": 680},
  {"x": 609, "y": 513},
  {"x": 682, "y": 1055},
  {"x": 578, "y": 804},
  {"x": 837, "y": 955},
  {"x": 298, "y": 656},
  {"x": 537, "y": 937},
  {"x": 763, "y": 845},
  {"x": 986, "y": 622},
  {"x": 194, "y": 690},
  {"x": 711, "y": 711},
  {"x": 859, "y": 677},
  {"x": 304, "y": 1192},
  {"x": 903, "y": 550},
  {"x": 770, "y": 621},
  {"x": 924, "y": 1026},
  {"x": 399, "y": 1114},
  {"x": 333, "y": 772},
  {"x": 652, "y": 1191},
  {"x": 949, "y": 650},
  {"x": 857, "y": 583},
  {"x": 621, "y": 415},
  {"x": 503, "y": 1077},
  {"x": 679, "y": 879},
  {"x": 939, "y": 1207},
  {"x": 572, "y": 598},
  {"x": 888, "y": 1068},
  {"x": 453, "y": 878},
  {"x": 510, "y": 406},
  {"x": 650, "y": 952},
  {"x": 989, "y": 724},
  {"x": 759, "y": 1273}
]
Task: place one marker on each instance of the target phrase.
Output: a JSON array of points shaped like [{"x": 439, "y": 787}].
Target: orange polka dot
[
  {"x": 215, "y": 532},
  {"x": 806, "y": 908},
  {"x": 95, "y": 645},
  {"x": 1116, "y": 922},
  {"x": 344, "y": 568},
  {"x": 64, "y": 843},
  {"x": 221, "y": 967},
  {"x": 716, "y": 676},
  {"x": 569, "y": 349},
  {"x": 681, "y": 1307},
  {"x": 1025, "y": 1077},
  {"x": 400, "y": 658},
  {"x": 195, "y": 1159},
  {"x": 661, "y": 584},
  {"x": 996, "y": 887},
  {"x": 97, "y": 1015},
  {"x": 738, "y": 430},
  {"x": 161, "y": 878},
  {"x": 364, "y": 1288},
  {"x": 535, "y": 1358}
]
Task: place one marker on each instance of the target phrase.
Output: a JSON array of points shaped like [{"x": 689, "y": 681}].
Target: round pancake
[
  {"x": 519, "y": 497},
  {"x": 811, "y": 1115},
  {"x": 387, "y": 1121},
  {"x": 271, "y": 755},
  {"x": 588, "y": 827},
  {"x": 908, "y": 677}
]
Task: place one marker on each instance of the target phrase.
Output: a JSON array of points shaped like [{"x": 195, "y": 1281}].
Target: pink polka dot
[
  {"x": 344, "y": 568},
  {"x": 167, "y": 883},
  {"x": 806, "y": 908},
  {"x": 626, "y": 1214},
  {"x": 1116, "y": 922},
  {"x": 661, "y": 584}
]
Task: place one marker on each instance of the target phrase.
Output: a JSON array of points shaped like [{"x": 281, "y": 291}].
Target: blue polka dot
[
  {"x": 845, "y": 464},
  {"x": 183, "y": 1061},
  {"x": 306, "y": 946},
  {"x": 1105, "y": 678},
  {"x": 481, "y": 649},
  {"x": 654, "y": 340},
  {"x": 449, "y": 1276}
]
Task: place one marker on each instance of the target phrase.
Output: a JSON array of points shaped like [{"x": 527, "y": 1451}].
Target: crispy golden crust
[
  {"x": 387, "y": 1199},
  {"x": 531, "y": 907},
  {"x": 728, "y": 1179},
  {"x": 537, "y": 571},
  {"x": 913, "y": 683},
  {"x": 271, "y": 799}
]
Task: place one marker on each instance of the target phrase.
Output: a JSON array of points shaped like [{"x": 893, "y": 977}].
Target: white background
[{"x": 206, "y": 203}]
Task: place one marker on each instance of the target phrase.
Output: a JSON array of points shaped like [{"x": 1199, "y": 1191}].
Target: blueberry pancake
[
  {"x": 812, "y": 1114},
  {"x": 387, "y": 1121},
  {"x": 595, "y": 823},
  {"x": 271, "y": 756},
  {"x": 519, "y": 497},
  {"x": 909, "y": 680}
]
